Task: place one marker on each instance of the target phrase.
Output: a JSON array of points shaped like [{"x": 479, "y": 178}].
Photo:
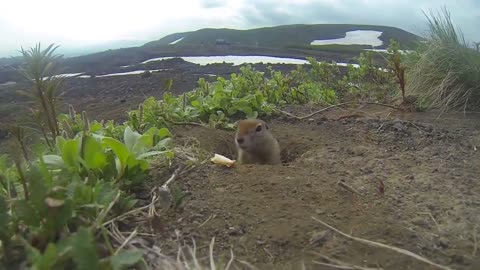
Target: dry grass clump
[{"x": 446, "y": 73}]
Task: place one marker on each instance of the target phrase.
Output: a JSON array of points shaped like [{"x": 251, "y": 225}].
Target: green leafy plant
[
  {"x": 38, "y": 69},
  {"x": 248, "y": 94},
  {"x": 368, "y": 80},
  {"x": 395, "y": 63}
]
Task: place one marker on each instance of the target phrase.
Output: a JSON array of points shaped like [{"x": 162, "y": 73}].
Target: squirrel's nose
[{"x": 240, "y": 140}]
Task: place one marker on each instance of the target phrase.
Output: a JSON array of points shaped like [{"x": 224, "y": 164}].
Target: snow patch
[
  {"x": 120, "y": 73},
  {"x": 358, "y": 37},
  {"x": 176, "y": 41},
  {"x": 65, "y": 75},
  {"x": 8, "y": 83},
  {"x": 385, "y": 51}
]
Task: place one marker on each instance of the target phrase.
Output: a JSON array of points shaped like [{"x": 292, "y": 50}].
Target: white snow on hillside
[
  {"x": 8, "y": 83},
  {"x": 176, "y": 41},
  {"x": 64, "y": 75},
  {"x": 358, "y": 37},
  {"x": 385, "y": 51},
  {"x": 122, "y": 73}
]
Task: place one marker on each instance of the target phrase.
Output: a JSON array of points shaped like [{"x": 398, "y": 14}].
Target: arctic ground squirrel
[{"x": 255, "y": 144}]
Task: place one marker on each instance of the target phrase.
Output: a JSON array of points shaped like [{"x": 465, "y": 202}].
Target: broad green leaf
[
  {"x": 70, "y": 153},
  {"x": 25, "y": 212},
  {"x": 48, "y": 259},
  {"x": 95, "y": 127},
  {"x": 253, "y": 115},
  {"x": 142, "y": 144},
  {"x": 149, "y": 154},
  {"x": 3, "y": 163},
  {"x": 163, "y": 144},
  {"x": 93, "y": 153},
  {"x": 4, "y": 219},
  {"x": 37, "y": 187},
  {"x": 130, "y": 138},
  {"x": 120, "y": 151},
  {"x": 59, "y": 144},
  {"x": 53, "y": 161},
  {"x": 84, "y": 251},
  {"x": 196, "y": 104},
  {"x": 46, "y": 173},
  {"x": 126, "y": 258}
]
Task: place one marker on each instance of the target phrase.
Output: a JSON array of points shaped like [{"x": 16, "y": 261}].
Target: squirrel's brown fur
[{"x": 255, "y": 144}]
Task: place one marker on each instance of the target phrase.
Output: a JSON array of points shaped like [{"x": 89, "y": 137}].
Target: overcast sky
[{"x": 83, "y": 23}]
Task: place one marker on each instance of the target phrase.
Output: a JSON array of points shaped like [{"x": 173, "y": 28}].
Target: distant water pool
[{"x": 234, "y": 59}]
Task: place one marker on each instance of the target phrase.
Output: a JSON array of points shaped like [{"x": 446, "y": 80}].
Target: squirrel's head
[{"x": 250, "y": 133}]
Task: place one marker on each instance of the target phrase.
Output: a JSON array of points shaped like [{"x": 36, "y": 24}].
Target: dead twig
[
  {"x": 101, "y": 216},
  {"x": 133, "y": 234},
  {"x": 342, "y": 265},
  {"x": 475, "y": 244},
  {"x": 154, "y": 200},
  {"x": 174, "y": 175},
  {"x": 287, "y": 114},
  {"x": 376, "y": 244},
  {"x": 381, "y": 104},
  {"x": 269, "y": 254},
  {"x": 212, "y": 261},
  {"x": 349, "y": 188},
  {"x": 205, "y": 222},
  {"x": 314, "y": 113},
  {"x": 249, "y": 265},
  {"x": 415, "y": 126},
  {"x": 348, "y": 116},
  {"x": 187, "y": 123},
  {"x": 380, "y": 127},
  {"x": 232, "y": 257},
  {"x": 431, "y": 217}
]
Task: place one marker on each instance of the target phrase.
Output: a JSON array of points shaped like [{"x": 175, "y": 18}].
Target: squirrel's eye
[{"x": 258, "y": 129}]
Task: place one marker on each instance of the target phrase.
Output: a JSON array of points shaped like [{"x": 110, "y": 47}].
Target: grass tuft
[{"x": 446, "y": 73}]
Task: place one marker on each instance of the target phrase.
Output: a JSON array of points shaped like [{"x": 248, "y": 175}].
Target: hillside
[
  {"x": 285, "y": 35},
  {"x": 290, "y": 41}
]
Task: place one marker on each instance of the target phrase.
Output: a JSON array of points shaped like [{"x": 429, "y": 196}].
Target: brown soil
[{"x": 430, "y": 205}]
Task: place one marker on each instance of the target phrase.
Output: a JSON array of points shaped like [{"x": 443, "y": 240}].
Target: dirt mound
[{"x": 429, "y": 204}]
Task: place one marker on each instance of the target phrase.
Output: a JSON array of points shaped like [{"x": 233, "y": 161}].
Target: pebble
[{"x": 319, "y": 238}]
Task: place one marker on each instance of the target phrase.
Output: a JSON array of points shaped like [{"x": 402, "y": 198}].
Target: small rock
[
  {"x": 281, "y": 242},
  {"x": 320, "y": 211},
  {"x": 236, "y": 232},
  {"x": 410, "y": 177},
  {"x": 443, "y": 243},
  {"x": 399, "y": 127},
  {"x": 319, "y": 238},
  {"x": 420, "y": 221},
  {"x": 260, "y": 242},
  {"x": 198, "y": 216},
  {"x": 366, "y": 170},
  {"x": 458, "y": 259},
  {"x": 374, "y": 125}
]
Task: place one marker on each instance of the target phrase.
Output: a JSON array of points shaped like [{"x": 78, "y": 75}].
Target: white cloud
[{"x": 89, "y": 22}]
